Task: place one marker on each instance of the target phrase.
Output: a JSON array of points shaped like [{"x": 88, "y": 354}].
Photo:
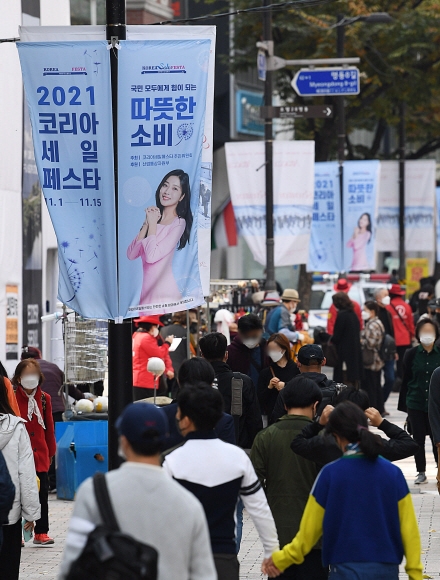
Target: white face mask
[
  {"x": 30, "y": 381},
  {"x": 251, "y": 342},
  {"x": 427, "y": 339},
  {"x": 155, "y": 331},
  {"x": 121, "y": 452},
  {"x": 276, "y": 355},
  {"x": 365, "y": 315},
  {"x": 386, "y": 300}
]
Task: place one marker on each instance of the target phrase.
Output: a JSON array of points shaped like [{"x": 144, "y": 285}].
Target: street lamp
[{"x": 341, "y": 23}]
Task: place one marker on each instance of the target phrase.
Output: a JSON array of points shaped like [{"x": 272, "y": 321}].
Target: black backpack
[
  {"x": 388, "y": 348},
  {"x": 109, "y": 553}
]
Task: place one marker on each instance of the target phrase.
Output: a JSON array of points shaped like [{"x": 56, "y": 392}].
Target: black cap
[{"x": 309, "y": 353}]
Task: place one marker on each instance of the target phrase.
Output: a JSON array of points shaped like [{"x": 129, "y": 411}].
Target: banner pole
[{"x": 120, "y": 374}]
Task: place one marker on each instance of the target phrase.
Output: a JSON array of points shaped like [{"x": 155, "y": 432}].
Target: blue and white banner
[
  {"x": 419, "y": 201},
  {"x": 164, "y": 196},
  {"x": 293, "y": 197},
  {"x": 326, "y": 241},
  {"x": 361, "y": 180},
  {"x": 68, "y": 92}
]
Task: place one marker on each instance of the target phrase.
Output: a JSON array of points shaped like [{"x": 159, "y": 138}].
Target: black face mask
[{"x": 193, "y": 327}]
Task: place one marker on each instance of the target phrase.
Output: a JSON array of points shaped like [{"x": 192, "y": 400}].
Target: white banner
[
  {"x": 419, "y": 204},
  {"x": 293, "y": 197}
]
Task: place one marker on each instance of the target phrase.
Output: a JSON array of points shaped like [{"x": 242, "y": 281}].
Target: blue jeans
[
  {"x": 239, "y": 529},
  {"x": 364, "y": 571},
  {"x": 389, "y": 376}
]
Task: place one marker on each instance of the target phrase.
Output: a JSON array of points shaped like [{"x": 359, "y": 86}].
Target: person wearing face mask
[
  {"x": 371, "y": 339},
  {"x": 247, "y": 352},
  {"x": 419, "y": 364},
  {"x": 36, "y": 408},
  {"x": 382, "y": 297},
  {"x": 273, "y": 379},
  {"x": 145, "y": 346}
]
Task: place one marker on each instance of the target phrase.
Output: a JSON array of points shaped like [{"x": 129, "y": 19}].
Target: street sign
[
  {"x": 327, "y": 81},
  {"x": 261, "y": 65},
  {"x": 297, "y": 112}
]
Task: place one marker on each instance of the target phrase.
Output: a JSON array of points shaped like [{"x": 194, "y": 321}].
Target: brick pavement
[{"x": 42, "y": 562}]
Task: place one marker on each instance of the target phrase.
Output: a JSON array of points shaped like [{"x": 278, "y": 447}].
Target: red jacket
[
  {"x": 403, "y": 321},
  {"x": 145, "y": 346},
  {"x": 42, "y": 440},
  {"x": 333, "y": 313}
]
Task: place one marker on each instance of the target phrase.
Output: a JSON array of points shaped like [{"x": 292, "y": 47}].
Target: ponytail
[{"x": 349, "y": 421}]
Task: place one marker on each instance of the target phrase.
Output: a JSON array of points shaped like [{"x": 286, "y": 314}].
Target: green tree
[{"x": 399, "y": 61}]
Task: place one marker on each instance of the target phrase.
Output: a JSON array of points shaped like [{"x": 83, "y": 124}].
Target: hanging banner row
[
  {"x": 307, "y": 206},
  {"x": 154, "y": 258}
]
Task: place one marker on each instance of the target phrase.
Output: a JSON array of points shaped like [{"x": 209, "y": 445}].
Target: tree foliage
[{"x": 399, "y": 62}]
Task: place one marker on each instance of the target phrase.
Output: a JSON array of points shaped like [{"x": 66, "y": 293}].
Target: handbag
[
  {"x": 367, "y": 357},
  {"x": 331, "y": 354}
]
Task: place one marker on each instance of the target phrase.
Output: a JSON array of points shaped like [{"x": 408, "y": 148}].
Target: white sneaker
[{"x": 421, "y": 478}]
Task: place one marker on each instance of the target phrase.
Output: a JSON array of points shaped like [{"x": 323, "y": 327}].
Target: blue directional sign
[{"x": 327, "y": 81}]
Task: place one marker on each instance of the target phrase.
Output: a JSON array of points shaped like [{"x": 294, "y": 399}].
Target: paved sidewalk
[{"x": 42, "y": 562}]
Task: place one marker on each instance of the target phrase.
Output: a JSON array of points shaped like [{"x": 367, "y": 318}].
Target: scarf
[{"x": 33, "y": 408}]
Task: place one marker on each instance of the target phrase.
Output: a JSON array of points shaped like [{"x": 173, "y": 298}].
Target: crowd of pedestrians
[{"x": 254, "y": 424}]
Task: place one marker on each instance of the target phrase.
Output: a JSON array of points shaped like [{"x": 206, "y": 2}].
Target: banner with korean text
[
  {"x": 293, "y": 197},
  {"x": 164, "y": 187},
  {"x": 361, "y": 181},
  {"x": 326, "y": 241},
  {"x": 68, "y": 92}
]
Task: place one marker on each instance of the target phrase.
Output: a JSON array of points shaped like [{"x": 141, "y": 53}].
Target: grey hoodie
[{"x": 17, "y": 451}]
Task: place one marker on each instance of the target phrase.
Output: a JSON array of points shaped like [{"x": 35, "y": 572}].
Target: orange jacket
[
  {"x": 145, "y": 346},
  {"x": 12, "y": 400}
]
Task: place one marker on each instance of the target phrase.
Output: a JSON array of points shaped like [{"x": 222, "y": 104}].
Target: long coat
[{"x": 347, "y": 338}]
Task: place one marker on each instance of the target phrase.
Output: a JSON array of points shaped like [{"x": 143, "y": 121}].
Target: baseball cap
[
  {"x": 310, "y": 352},
  {"x": 142, "y": 422}
]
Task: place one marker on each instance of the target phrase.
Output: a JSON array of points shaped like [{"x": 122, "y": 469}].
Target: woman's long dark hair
[
  {"x": 369, "y": 228},
  {"x": 183, "y": 208},
  {"x": 5, "y": 407},
  {"x": 349, "y": 421}
]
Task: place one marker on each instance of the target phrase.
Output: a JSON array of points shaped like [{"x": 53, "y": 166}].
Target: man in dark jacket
[
  {"x": 213, "y": 348},
  {"x": 313, "y": 445},
  {"x": 247, "y": 352},
  {"x": 7, "y": 495},
  {"x": 286, "y": 477},
  {"x": 434, "y": 413},
  {"x": 311, "y": 359}
]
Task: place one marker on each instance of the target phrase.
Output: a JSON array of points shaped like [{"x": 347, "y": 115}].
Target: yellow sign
[
  {"x": 416, "y": 268},
  {"x": 11, "y": 322}
]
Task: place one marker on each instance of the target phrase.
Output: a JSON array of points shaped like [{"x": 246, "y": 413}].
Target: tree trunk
[{"x": 305, "y": 287}]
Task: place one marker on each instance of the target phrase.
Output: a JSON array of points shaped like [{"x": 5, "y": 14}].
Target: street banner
[
  {"x": 68, "y": 92},
  {"x": 11, "y": 322},
  {"x": 416, "y": 268},
  {"x": 293, "y": 197},
  {"x": 164, "y": 188},
  {"x": 437, "y": 195},
  {"x": 326, "y": 241},
  {"x": 361, "y": 180},
  {"x": 419, "y": 203}
]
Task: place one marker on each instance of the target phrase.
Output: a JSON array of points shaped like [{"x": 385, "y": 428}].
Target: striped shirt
[{"x": 218, "y": 473}]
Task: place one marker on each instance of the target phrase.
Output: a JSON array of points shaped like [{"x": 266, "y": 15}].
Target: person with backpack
[
  {"x": 403, "y": 323},
  {"x": 273, "y": 379},
  {"x": 419, "y": 364},
  {"x": 218, "y": 474},
  {"x": 382, "y": 297},
  {"x": 287, "y": 478},
  {"x": 16, "y": 451},
  {"x": 311, "y": 359},
  {"x": 36, "y": 408},
  {"x": 360, "y": 506},
  {"x": 311, "y": 444},
  {"x": 149, "y": 508},
  {"x": 372, "y": 337},
  {"x": 234, "y": 387}
]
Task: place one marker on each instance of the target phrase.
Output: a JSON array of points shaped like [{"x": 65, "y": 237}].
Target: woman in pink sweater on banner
[
  {"x": 166, "y": 228},
  {"x": 358, "y": 242}
]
